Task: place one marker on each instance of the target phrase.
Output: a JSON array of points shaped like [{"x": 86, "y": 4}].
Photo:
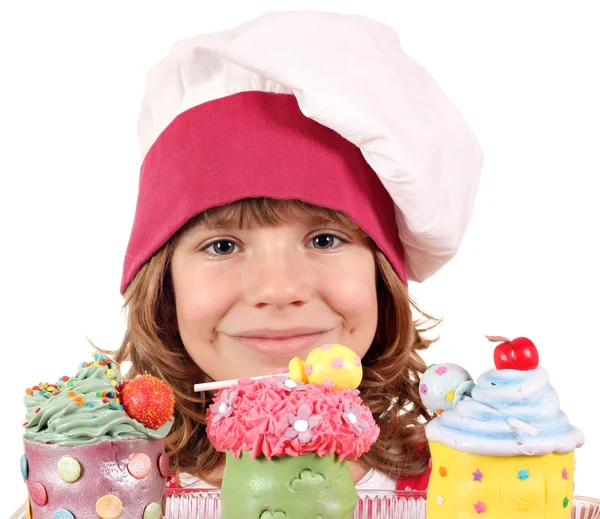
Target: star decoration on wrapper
[
  {"x": 523, "y": 474},
  {"x": 301, "y": 424},
  {"x": 479, "y": 507},
  {"x": 440, "y": 500},
  {"x": 565, "y": 502},
  {"x": 565, "y": 474},
  {"x": 524, "y": 505},
  {"x": 477, "y": 475}
]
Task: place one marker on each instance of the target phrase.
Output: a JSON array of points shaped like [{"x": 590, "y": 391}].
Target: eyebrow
[{"x": 232, "y": 221}]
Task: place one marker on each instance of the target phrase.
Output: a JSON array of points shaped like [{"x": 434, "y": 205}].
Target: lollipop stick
[
  {"x": 513, "y": 422},
  {"x": 220, "y": 384}
]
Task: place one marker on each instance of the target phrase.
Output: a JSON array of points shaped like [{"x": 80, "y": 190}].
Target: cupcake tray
[{"x": 206, "y": 504}]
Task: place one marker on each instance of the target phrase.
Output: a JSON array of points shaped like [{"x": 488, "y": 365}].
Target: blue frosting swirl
[{"x": 510, "y": 412}]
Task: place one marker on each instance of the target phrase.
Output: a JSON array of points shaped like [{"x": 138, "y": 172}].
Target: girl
[{"x": 297, "y": 171}]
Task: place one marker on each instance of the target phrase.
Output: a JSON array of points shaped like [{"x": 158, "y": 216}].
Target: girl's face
[{"x": 249, "y": 300}]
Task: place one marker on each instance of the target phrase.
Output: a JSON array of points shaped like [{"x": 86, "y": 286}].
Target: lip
[{"x": 279, "y": 345}]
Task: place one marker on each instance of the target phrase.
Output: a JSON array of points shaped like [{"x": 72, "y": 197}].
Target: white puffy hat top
[{"x": 349, "y": 74}]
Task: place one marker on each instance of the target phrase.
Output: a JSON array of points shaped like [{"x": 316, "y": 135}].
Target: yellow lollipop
[{"x": 333, "y": 366}]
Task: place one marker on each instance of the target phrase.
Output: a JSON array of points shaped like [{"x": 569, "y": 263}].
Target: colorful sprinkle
[
  {"x": 109, "y": 507},
  {"x": 65, "y": 378},
  {"x": 38, "y": 494},
  {"x": 443, "y": 472},
  {"x": 424, "y": 389},
  {"x": 308, "y": 369},
  {"x": 29, "y": 391},
  {"x": 325, "y": 346},
  {"x": 450, "y": 396},
  {"x": 110, "y": 372},
  {"x": 523, "y": 474},
  {"x": 99, "y": 394},
  {"x": 337, "y": 363},
  {"x": 477, "y": 475},
  {"x": 163, "y": 465},
  {"x": 71, "y": 394},
  {"x": 113, "y": 382},
  {"x": 70, "y": 383},
  {"x": 479, "y": 507},
  {"x": 61, "y": 513},
  {"x": 565, "y": 474},
  {"x": 139, "y": 465},
  {"x": 90, "y": 405},
  {"x": 24, "y": 466},
  {"x": 441, "y": 370},
  {"x": 439, "y": 411},
  {"x": 565, "y": 502},
  {"x": 69, "y": 469},
  {"x": 37, "y": 410},
  {"x": 153, "y": 511}
]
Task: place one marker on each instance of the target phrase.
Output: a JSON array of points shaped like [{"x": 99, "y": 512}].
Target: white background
[{"x": 524, "y": 74}]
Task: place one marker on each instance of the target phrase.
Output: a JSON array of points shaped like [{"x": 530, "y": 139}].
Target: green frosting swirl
[{"x": 56, "y": 415}]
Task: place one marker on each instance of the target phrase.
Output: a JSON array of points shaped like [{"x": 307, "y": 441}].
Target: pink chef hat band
[{"x": 248, "y": 145}]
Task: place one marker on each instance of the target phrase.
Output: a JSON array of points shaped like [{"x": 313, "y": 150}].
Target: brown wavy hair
[{"x": 391, "y": 367}]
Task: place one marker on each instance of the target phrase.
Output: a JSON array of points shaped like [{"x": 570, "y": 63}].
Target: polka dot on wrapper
[
  {"x": 24, "y": 466},
  {"x": 109, "y": 507},
  {"x": 139, "y": 465},
  {"x": 69, "y": 469},
  {"x": 153, "y": 511},
  {"x": 163, "y": 465},
  {"x": 62, "y": 513},
  {"x": 38, "y": 494}
]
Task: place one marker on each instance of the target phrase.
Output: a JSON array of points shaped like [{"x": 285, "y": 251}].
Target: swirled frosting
[
  {"x": 488, "y": 423},
  {"x": 83, "y": 409},
  {"x": 278, "y": 417}
]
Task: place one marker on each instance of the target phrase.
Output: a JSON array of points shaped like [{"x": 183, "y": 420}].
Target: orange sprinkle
[
  {"x": 88, "y": 364},
  {"x": 118, "y": 365},
  {"x": 72, "y": 393},
  {"x": 103, "y": 393},
  {"x": 29, "y": 391}
]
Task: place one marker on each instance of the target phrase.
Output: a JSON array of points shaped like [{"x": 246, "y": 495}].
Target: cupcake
[
  {"x": 288, "y": 442},
  {"x": 94, "y": 445},
  {"x": 501, "y": 447}
]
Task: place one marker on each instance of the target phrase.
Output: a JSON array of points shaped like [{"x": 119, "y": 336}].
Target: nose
[{"x": 278, "y": 277}]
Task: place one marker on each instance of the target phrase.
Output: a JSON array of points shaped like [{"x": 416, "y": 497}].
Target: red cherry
[
  {"x": 520, "y": 354},
  {"x": 149, "y": 400}
]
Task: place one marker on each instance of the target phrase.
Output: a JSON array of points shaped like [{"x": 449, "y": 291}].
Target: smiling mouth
[{"x": 284, "y": 346}]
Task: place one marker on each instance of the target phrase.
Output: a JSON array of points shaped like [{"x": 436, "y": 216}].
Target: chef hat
[{"x": 307, "y": 105}]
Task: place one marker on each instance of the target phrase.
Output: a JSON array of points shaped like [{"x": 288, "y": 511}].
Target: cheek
[
  {"x": 353, "y": 294},
  {"x": 200, "y": 301}
]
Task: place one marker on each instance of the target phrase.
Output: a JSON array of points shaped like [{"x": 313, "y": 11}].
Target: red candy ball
[{"x": 149, "y": 400}]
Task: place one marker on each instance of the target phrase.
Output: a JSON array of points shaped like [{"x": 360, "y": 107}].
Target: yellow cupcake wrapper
[{"x": 464, "y": 485}]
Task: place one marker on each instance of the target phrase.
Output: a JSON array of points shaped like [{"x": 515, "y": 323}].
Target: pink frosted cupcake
[
  {"x": 287, "y": 446},
  {"x": 86, "y": 455}
]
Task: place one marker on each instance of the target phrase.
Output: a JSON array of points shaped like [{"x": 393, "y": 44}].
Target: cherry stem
[{"x": 497, "y": 338}]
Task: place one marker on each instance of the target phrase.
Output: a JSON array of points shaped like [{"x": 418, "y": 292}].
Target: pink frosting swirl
[{"x": 275, "y": 420}]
